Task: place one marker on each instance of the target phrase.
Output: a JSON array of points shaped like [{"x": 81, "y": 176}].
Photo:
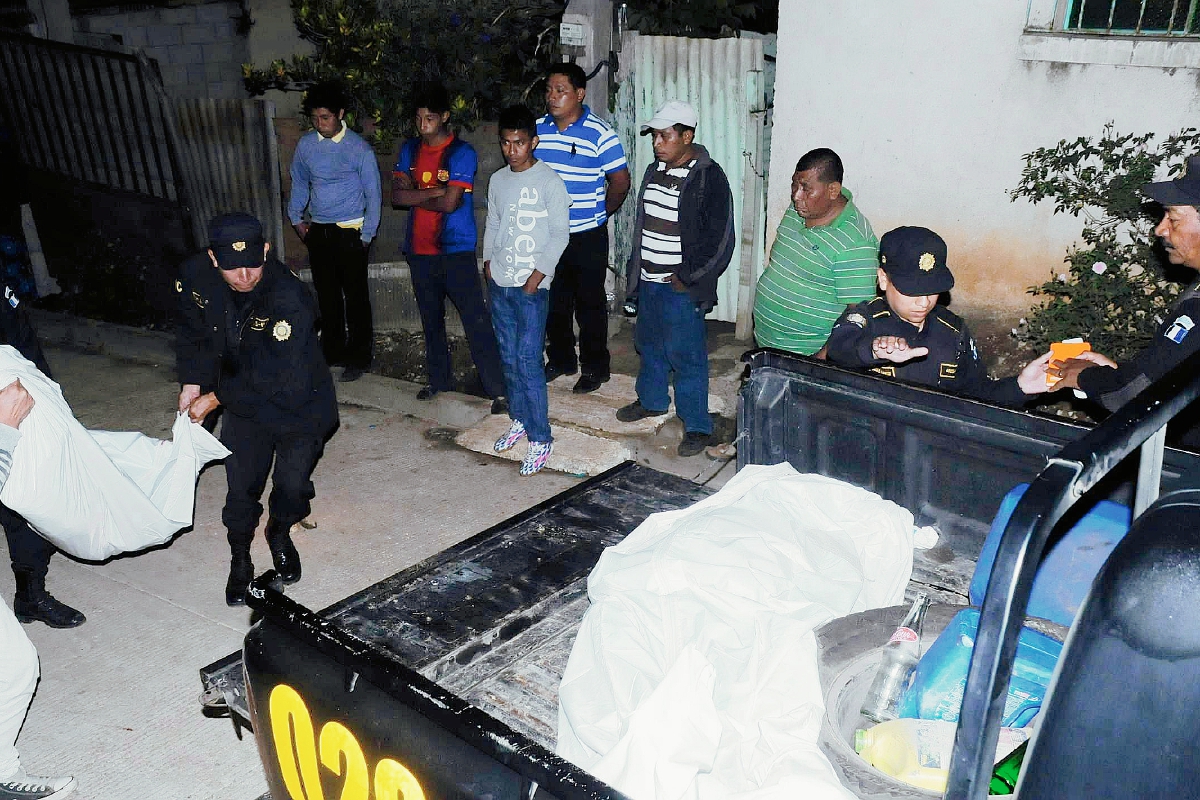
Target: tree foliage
[
  {"x": 702, "y": 18},
  {"x": 488, "y": 54},
  {"x": 1117, "y": 285}
]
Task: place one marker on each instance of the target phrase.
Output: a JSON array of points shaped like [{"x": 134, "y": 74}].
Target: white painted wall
[{"x": 931, "y": 108}]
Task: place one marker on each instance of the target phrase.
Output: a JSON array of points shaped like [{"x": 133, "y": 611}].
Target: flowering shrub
[{"x": 1118, "y": 284}]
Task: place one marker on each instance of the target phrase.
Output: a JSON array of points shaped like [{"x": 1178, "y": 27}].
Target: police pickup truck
[{"x": 441, "y": 681}]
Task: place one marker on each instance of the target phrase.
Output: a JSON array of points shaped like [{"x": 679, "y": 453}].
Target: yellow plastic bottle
[{"x": 917, "y": 751}]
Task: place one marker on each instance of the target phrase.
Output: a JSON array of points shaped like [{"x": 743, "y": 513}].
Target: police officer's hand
[
  {"x": 896, "y": 349},
  {"x": 15, "y": 404},
  {"x": 189, "y": 393},
  {"x": 1032, "y": 378},
  {"x": 202, "y": 406}
]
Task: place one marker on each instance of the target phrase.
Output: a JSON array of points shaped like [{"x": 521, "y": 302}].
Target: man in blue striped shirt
[
  {"x": 586, "y": 154},
  {"x": 335, "y": 176}
]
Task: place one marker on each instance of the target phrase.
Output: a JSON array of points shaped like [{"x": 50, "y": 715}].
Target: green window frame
[{"x": 1133, "y": 17}]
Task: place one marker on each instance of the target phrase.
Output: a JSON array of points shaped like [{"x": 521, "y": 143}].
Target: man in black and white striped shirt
[{"x": 683, "y": 240}]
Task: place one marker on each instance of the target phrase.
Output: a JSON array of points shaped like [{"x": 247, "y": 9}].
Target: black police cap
[
  {"x": 236, "y": 240},
  {"x": 1183, "y": 191},
  {"x": 915, "y": 261}
]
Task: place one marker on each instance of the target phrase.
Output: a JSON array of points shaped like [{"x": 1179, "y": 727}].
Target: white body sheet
[
  {"x": 694, "y": 674},
  {"x": 95, "y": 494}
]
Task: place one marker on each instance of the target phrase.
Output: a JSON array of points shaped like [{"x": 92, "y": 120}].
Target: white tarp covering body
[
  {"x": 694, "y": 674},
  {"x": 95, "y": 494}
]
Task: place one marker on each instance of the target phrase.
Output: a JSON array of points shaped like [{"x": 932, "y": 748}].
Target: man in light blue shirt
[{"x": 335, "y": 176}]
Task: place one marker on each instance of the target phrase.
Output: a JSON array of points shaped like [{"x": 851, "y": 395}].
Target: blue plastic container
[
  {"x": 940, "y": 679},
  {"x": 1066, "y": 572}
]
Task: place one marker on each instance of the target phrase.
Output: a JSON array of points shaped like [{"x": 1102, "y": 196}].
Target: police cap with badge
[
  {"x": 1183, "y": 191},
  {"x": 915, "y": 261},
  {"x": 236, "y": 240}
]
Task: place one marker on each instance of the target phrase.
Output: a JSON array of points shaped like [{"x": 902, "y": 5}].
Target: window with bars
[{"x": 1133, "y": 17}]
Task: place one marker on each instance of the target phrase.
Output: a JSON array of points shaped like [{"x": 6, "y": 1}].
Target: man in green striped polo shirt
[{"x": 824, "y": 258}]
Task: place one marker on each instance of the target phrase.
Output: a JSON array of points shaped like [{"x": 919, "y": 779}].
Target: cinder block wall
[{"x": 197, "y": 46}]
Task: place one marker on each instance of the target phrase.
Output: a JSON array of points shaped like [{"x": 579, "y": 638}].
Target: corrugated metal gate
[
  {"x": 104, "y": 118},
  {"x": 89, "y": 114},
  {"x": 230, "y": 162},
  {"x": 724, "y": 80}
]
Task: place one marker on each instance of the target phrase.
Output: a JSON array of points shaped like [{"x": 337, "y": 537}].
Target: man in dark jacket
[
  {"x": 683, "y": 240},
  {"x": 30, "y": 553},
  {"x": 1173, "y": 341},
  {"x": 247, "y": 342}
]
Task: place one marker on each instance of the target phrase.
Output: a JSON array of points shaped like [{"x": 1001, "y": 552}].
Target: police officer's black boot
[
  {"x": 283, "y": 552},
  {"x": 241, "y": 569},
  {"x": 34, "y": 603}
]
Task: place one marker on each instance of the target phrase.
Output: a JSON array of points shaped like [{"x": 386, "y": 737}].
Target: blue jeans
[
  {"x": 519, "y": 320},
  {"x": 454, "y": 275},
  {"x": 670, "y": 337}
]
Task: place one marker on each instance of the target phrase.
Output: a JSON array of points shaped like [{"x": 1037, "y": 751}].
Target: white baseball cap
[{"x": 672, "y": 112}]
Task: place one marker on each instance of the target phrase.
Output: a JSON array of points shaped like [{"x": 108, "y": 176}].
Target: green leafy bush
[
  {"x": 487, "y": 53},
  {"x": 702, "y": 18},
  {"x": 1116, "y": 287}
]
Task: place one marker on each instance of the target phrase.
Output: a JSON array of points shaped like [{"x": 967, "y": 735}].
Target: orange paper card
[{"x": 1062, "y": 351}]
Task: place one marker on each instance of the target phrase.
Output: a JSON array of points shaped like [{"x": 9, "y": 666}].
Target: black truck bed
[{"x": 493, "y": 618}]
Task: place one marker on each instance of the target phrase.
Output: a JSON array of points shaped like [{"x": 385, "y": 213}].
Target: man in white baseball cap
[{"x": 682, "y": 241}]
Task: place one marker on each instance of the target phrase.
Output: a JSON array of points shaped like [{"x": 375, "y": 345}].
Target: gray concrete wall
[{"x": 197, "y": 46}]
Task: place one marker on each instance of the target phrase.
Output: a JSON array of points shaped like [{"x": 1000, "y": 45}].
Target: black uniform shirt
[
  {"x": 953, "y": 361},
  {"x": 1173, "y": 342},
  {"x": 258, "y": 351}
]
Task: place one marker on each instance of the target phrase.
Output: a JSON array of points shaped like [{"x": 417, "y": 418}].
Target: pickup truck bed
[{"x": 450, "y": 668}]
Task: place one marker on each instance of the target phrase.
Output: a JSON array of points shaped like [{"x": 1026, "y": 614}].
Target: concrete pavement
[{"x": 117, "y": 705}]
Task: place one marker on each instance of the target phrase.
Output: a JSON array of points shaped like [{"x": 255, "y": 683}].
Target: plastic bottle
[
  {"x": 900, "y": 656},
  {"x": 917, "y": 751},
  {"x": 1004, "y": 776}
]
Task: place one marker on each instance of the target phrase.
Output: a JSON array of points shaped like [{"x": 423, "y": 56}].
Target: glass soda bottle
[
  {"x": 1004, "y": 776},
  {"x": 900, "y": 656}
]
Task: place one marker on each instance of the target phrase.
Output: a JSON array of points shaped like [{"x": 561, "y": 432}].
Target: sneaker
[
  {"x": 427, "y": 393},
  {"x": 635, "y": 411},
  {"x": 516, "y": 432},
  {"x": 693, "y": 442},
  {"x": 351, "y": 374},
  {"x": 536, "y": 458},
  {"x": 31, "y": 787},
  {"x": 500, "y": 405}
]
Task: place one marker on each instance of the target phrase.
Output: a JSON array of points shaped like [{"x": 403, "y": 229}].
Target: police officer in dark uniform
[
  {"x": 906, "y": 334},
  {"x": 1176, "y": 338},
  {"x": 30, "y": 553},
  {"x": 247, "y": 343}
]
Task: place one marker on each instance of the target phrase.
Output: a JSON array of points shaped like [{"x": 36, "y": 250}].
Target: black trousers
[
  {"x": 254, "y": 447},
  {"x": 578, "y": 291},
  {"x": 30, "y": 553},
  {"x": 338, "y": 259},
  {"x": 455, "y": 275}
]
